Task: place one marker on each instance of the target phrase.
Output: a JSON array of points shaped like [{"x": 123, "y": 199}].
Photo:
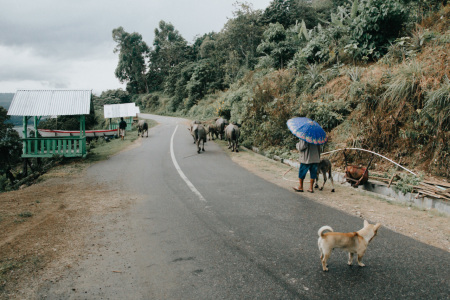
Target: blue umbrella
[{"x": 307, "y": 130}]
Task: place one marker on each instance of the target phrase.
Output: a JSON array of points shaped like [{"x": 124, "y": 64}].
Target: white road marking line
[{"x": 177, "y": 167}]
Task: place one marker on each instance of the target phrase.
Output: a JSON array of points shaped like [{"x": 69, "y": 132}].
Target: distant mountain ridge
[{"x": 6, "y": 99}]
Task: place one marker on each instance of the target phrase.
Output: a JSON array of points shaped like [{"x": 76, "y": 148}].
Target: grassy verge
[
  {"x": 98, "y": 151},
  {"x": 31, "y": 250},
  {"x": 101, "y": 150}
]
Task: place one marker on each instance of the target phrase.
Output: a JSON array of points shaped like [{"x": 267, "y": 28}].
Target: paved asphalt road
[{"x": 206, "y": 228}]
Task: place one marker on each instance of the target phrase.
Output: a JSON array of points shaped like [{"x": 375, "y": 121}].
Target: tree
[
  {"x": 376, "y": 25},
  {"x": 10, "y": 146},
  {"x": 204, "y": 46},
  {"x": 117, "y": 96},
  {"x": 133, "y": 52},
  {"x": 239, "y": 39},
  {"x": 277, "y": 12},
  {"x": 289, "y": 12},
  {"x": 170, "y": 49},
  {"x": 203, "y": 79},
  {"x": 176, "y": 81},
  {"x": 280, "y": 45}
]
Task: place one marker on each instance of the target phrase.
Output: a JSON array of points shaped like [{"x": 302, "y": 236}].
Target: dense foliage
[
  {"x": 10, "y": 148},
  {"x": 132, "y": 54},
  {"x": 111, "y": 97},
  {"x": 371, "y": 72},
  {"x": 291, "y": 33}
]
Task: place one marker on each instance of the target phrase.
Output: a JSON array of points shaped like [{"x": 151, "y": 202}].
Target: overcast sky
[{"x": 67, "y": 44}]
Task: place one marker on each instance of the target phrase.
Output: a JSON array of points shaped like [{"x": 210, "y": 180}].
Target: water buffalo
[
  {"x": 191, "y": 127},
  {"x": 211, "y": 130},
  {"x": 142, "y": 127},
  {"x": 221, "y": 123},
  {"x": 232, "y": 133},
  {"x": 199, "y": 133}
]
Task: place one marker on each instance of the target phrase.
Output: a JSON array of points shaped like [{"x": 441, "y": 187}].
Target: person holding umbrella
[
  {"x": 311, "y": 136},
  {"x": 309, "y": 157}
]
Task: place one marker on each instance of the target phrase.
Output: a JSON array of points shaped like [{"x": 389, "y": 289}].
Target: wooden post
[
  {"x": 24, "y": 145},
  {"x": 82, "y": 135},
  {"x": 25, "y": 134},
  {"x": 35, "y": 121},
  {"x": 24, "y": 167},
  {"x": 35, "y": 126},
  {"x": 130, "y": 123},
  {"x": 81, "y": 126}
]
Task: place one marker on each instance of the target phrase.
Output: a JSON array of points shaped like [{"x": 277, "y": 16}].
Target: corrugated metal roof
[
  {"x": 50, "y": 102},
  {"x": 120, "y": 110}
]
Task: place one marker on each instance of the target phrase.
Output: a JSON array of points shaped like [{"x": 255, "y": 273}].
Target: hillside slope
[{"x": 398, "y": 106}]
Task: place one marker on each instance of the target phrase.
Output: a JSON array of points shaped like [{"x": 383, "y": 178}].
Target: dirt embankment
[{"x": 44, "y": 228}]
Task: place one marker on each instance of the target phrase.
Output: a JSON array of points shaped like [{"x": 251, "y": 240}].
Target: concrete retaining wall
[{"x": 381, "y": 189}]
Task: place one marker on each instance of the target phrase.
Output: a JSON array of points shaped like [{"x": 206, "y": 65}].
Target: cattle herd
[
  {"x": 218, "y": 128},
  {"x": 201, "y": 131}
]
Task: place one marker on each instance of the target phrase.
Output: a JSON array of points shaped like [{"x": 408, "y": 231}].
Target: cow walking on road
[
  {"x": 142, "y": 127},
  {"x": 190, "y": 128},
  {"x": 198, "y": 131},
  {"x": 232, "y": 134},
  {"x": 221, "y": 123},
  {"x": 211, "y": 130}
]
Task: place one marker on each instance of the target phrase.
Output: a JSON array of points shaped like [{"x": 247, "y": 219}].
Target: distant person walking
[
  {"x": 309, "y": 157},
  {"x": 122, "y": 127}
]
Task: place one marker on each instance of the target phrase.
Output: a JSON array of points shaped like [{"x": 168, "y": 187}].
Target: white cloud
[
  {"x": 68, "y": 44},
  {"x": 21, "y": 68}
]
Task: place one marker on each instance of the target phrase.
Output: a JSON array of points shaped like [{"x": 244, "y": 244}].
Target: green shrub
[
  {"x": 376, "y": 24},
  {"x": 3, "y": 183},
  {"x": 26, "y": 214},
  {"x": 328, "y": 113},
  {"x": 406, "y": 183}
]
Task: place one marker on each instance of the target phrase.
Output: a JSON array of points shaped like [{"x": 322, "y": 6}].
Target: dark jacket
[{"x": 123, "y": 125}]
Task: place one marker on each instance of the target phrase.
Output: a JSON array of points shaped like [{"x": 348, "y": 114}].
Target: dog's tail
[{"x": 323, "y": 228}]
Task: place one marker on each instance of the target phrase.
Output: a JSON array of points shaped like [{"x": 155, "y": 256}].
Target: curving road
[{"x": 206, "y": 228}]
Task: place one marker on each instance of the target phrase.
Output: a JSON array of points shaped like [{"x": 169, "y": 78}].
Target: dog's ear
[
  {"x": 366, "y": 223},
  {"x": 377, "y": 226}
]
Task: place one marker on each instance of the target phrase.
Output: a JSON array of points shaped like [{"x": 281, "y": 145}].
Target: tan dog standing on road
[{"x": 353, "y": 242}]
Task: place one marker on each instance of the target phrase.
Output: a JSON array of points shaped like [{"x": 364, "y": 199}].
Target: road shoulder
[{"x": 425, "y": 225}]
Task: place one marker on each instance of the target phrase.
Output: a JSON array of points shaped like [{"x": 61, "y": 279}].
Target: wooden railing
[{"x": 70, "y": 146}]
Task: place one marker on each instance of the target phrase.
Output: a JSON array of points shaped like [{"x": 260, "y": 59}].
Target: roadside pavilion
[
  {"x": 125, "y": 110},
  {"x": 46, "y": 103}
]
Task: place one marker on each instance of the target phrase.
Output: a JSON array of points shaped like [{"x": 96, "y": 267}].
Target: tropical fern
[
  {"x": 354, "y": 10},
  {"x": 304, "y": 31}
]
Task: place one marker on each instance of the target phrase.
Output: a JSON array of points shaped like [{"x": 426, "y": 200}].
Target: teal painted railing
[
  {"x": 116, "y": 126},
  {"x": 72, "y": 146}
]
